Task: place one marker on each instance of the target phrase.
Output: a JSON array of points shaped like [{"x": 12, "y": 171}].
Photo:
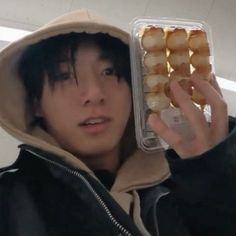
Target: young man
[{"x": 66, "y": 94}]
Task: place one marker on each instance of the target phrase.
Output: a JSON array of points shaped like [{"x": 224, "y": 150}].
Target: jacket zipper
[{"x": 91, "y": 189}]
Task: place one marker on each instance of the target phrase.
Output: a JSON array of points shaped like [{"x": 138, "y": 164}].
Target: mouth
[{"x": 95, "y": 125}]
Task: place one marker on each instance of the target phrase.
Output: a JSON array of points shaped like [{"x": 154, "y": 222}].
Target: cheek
[
  {"x": 128, "y": 98},
  {"x": 125, "y": 101},
  {"x": 128, "y": 102},
  {"x": 55, "y": 109}
]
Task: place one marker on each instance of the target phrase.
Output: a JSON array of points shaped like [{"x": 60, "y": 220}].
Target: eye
[
  {"x": 110, "y": 71},
  {"x": 64, "y": 76}
]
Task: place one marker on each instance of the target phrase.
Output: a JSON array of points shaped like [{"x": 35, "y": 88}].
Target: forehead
[
  {"x": 91, "y": 53},
  {"x": 87, "y": 54},
  {"x": 88, "y": 50}
]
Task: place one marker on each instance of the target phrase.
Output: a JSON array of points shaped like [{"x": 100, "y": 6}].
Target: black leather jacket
[{"x": 44, "y": 197}]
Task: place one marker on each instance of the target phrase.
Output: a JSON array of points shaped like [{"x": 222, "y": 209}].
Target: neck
[{"x": 107, "y": 161}]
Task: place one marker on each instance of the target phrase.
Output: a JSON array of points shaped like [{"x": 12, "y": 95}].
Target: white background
[{"x": 219, "y": 14}]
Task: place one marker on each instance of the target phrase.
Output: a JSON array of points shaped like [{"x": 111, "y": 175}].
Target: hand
[{"x": 205, "y": 136}]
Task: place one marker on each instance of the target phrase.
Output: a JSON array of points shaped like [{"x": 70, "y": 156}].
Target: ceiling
[{"x": 219, "y": 14}]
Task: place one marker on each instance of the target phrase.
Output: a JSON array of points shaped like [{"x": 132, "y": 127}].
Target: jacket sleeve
[
  {"x": 204, "y": 188},
  {"x": 209, "y": 178}
]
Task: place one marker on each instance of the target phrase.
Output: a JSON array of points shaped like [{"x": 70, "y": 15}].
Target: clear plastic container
[{"x": 160, "y": 52}]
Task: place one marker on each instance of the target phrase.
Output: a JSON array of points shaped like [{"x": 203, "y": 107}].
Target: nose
[{"x": 93, "y": 92}]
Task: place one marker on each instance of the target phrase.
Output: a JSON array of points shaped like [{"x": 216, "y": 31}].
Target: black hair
[{"x": 43, "y": 58}]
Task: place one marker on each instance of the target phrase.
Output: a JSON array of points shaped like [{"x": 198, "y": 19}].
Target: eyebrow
[{"x": 104, "y": 56}]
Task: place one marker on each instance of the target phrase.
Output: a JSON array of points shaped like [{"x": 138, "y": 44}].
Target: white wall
[
  {"x": 8, "y": 145},
  {"x": 8, "y": 148},
  {"x": 219, "y": 14},
  {"x": 230, "y": 98}
]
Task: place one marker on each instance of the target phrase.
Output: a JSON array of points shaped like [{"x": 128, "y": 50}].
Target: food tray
[{"x": 163, "y": 50}]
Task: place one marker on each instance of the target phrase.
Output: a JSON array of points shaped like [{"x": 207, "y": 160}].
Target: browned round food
[
  {"x": 176, "y": 59},
  {"x": 200, "y": 60},
  {"x": 184, "y": 82},
  {"x": 177, "y": 39},
  {"x": 153, "y": 60},
  {"x": 198, "y": 40},
  {"x": 157, "y": 101},
  {"x": 198, "y": 98},
  {"x": 153, "y": 39},
  {"x": 156, "y": 82},
  {"x": 203, "y": 74}
]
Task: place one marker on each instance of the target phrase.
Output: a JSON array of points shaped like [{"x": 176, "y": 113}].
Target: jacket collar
[{"x": 141, "y": 170}]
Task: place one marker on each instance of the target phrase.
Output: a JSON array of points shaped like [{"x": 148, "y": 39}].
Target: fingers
[
  {"x": 211, "y": 94},
  {"x": 184, "y": 148},
  {"x": 204, "y": 136},
  {"x": 215, "y": 85},
  {"x": 167, "y": 134},
  {"x": 191, "y": 112},
  {"x": 212, "y": 81},
  {"x": 219, "y": 114}
]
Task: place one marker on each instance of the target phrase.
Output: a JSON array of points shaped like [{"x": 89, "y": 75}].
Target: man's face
[{"x": 87, "y": 117}]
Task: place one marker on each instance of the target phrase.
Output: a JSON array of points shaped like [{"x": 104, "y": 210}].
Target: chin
[{"x": 97, "y": 149}]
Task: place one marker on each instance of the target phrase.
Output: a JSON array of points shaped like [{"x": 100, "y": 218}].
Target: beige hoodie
[{"x": 140, "y": 171}]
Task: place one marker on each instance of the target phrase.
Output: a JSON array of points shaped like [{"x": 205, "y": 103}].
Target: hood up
[
  {"x": 14, "y": 115},
  {"x": 139, "y": 171}
]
